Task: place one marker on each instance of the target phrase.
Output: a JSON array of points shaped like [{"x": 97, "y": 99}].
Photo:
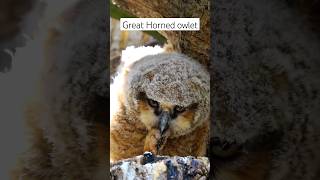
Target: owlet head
[{"x": 169, "y": 92}]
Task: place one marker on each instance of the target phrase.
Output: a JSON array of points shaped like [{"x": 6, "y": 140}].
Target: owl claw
[{"x": 148, "y": 157}]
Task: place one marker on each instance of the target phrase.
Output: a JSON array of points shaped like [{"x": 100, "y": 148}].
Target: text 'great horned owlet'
[{"x": 161, "y": 105}]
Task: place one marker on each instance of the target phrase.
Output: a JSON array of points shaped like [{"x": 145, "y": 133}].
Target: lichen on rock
[{"x": 162, "y": 167}]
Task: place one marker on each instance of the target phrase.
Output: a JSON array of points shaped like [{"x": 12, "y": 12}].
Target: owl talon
[{"x": 148, "y": 157}]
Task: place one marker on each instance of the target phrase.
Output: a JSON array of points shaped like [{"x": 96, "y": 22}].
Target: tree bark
[
  {"x": 195, "y": 44},
  {"x": 163, "y": 167}
]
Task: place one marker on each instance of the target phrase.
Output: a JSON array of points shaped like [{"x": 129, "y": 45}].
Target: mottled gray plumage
[
  {"x": 265, "y": 64},
  {"x": 177, "y": 79},
  {"x": 169, "y": 80}
]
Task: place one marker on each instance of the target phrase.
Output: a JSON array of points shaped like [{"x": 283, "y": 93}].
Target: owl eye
[
  {"x": 179, "y": 109},
  {"x": 153, "y": 103}
]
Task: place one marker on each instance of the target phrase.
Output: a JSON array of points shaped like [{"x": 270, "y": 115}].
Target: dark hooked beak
[{"x": 164, "y": 119}]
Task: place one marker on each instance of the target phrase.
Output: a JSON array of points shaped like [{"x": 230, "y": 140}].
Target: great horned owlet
[{"x": 161, "y": 105}]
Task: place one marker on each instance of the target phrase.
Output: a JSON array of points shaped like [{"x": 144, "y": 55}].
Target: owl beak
[{"x": 164, "y": 119}]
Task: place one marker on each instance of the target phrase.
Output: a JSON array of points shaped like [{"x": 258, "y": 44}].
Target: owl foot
[{"x": 148, "y": 157}]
